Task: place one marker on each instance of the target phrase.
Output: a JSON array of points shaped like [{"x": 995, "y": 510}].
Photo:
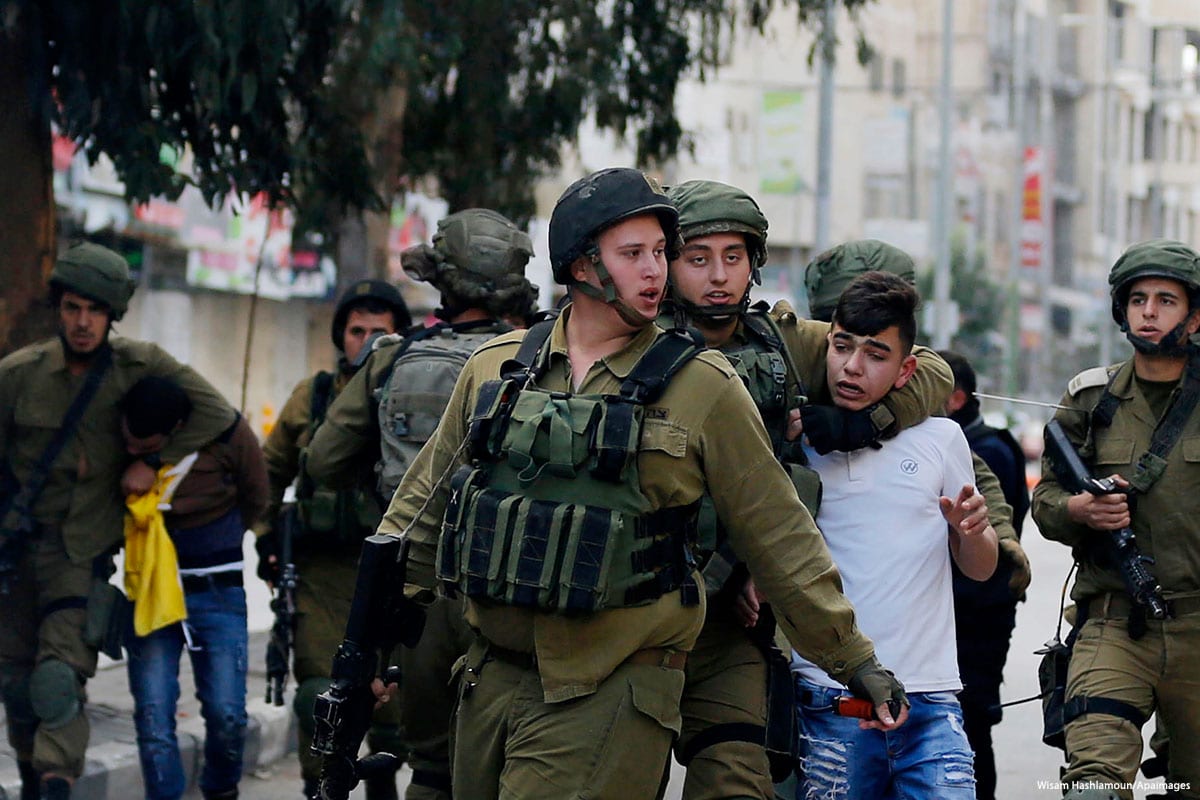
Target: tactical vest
[
  {"x": 550, "y": 515},
  {"x": 329, "y": 518},
  {"x": 763, "y": 364},
  {"x": 416, "y": 389}
]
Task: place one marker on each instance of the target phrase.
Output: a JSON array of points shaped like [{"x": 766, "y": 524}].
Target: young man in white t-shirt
[{"x": 886, "y": 515}]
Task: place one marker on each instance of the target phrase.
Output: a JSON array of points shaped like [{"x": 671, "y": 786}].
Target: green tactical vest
[
  {"x": 330, "y": 518},
  {"x": 762, "y": 362},
  {"x": 551, "y": 515}
]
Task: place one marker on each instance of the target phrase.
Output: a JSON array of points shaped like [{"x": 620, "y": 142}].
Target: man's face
[
  {"x": 83, "y": 323},
  {"x": 712, "y": 270},
  {"x": 1156, "y": 305},
  {"x": 141, "y": 445},
  {"x": 362, "y": 325},
  {"x": 634, "y": 253},
  {"x": 860, "y": 370}
]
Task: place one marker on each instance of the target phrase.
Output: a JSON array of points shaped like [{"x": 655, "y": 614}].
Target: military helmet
[
  {"x": 591, "y": 205},
  {"x": 828, "y": 275},
  {"x": 97, "y": 273},
  {"x": 478, "y": 248},
  {"x": 707, "y": 207},
  {"x": 359, "y": 294},
  {"x": 1161, "y": 258}
]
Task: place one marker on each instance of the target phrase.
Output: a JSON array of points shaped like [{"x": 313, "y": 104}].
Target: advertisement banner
[
  {"x": 1033, "y": 222},
  {"x": 783, "y": 143}
]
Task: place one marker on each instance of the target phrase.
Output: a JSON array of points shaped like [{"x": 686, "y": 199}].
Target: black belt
[
  {"x": 1115, "y": 605},
  {"x": 203, "y": 583}
]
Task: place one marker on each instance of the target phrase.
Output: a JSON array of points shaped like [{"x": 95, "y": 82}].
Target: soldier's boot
[
  {"x": 31, "y": 781},
  {"x": 382, "y": 787},
  {"x": 228, "y": 794},
  {"x": 56, "y": 788}
]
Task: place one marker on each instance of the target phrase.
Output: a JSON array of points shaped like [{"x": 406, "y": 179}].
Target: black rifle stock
[
  {"x": 283, "y": 631},
  {"x": 1075, "y": 477},
  {"x": 380, "y": 617}
]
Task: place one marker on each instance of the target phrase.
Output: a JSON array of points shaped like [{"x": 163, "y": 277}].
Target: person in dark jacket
[
  {"x": 222, "y": 491},
  {"x": 986, "y": 611}
]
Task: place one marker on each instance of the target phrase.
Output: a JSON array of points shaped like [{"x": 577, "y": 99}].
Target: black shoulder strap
[
  {"x": 531, "y": 345},
  {"x": 666, "y": 356},
  {"x": 32, "y": 488},
  {"x": 1153, "y": 462},
  {"x": 321, "y": 389},
  {"x": 1106, "y": 407}
]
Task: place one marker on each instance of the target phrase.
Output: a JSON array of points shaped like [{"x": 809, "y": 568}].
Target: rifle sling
[
  {"x": 1153, "y": 462},
  {"x": 36, "y": 481}
]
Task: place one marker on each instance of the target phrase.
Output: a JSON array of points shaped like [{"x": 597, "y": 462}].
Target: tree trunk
[{"x": 27, "y": 220}]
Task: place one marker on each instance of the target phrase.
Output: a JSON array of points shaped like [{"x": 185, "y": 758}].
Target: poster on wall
[{"x": 782, "y": 143}]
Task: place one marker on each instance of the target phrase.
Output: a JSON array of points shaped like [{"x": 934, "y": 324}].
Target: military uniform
[
  {"x": 326, "y": 565},
  {"x": 616, "y": 668},
  {"x": 346, "y": 445},
  {"x": 79, "y": 521},
  {"x": 1157, "y": 671}
]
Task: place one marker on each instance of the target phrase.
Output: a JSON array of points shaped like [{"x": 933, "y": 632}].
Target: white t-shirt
[{"x": 882, "y": 523}]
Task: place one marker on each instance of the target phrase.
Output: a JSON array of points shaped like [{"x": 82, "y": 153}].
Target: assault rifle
[
  {"x": 1073, "y": 474},
  {"x": 283, "y": 632},
  {"x": 380, "y": 618}
]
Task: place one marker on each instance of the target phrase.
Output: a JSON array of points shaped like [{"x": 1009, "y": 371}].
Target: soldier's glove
[
  {"x": 872, "y": 682},
  {"x": 267, "y": 547},
  {"x": 1018, "y": 582},
  {"x": 831, "y": 428}
]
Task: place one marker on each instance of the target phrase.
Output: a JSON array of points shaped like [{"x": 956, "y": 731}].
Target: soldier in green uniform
[
  {"x": 725, "y": 697},
  {"x": 388, "y": 411},
  {"x": 825, "y": 278},
  {"x": 1135, "y": 421},
  {"x": 56, "y": 546},
  {"x": 569, "y": 469},
  {"x": 330, "y": 523}
]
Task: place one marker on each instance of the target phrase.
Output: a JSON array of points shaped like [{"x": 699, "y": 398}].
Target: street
[{"x": 1022, "y": 759}]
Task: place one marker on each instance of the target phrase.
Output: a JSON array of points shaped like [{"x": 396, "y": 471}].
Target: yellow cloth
[{"x": 151, "y": 567}]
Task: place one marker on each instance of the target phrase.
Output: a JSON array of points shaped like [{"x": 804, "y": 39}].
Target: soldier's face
[
  {"x": 82, "y": 322},
  {"x": 634, "y": 253},
  {"x": 712, "y": 270},
  {"x": 362, "y": 325},
  {"x": 1156, "y": 306},
  {"x": 860, "y": 370}
]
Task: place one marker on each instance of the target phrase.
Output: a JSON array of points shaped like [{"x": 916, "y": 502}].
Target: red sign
[{"x": 1033, "y": 225}]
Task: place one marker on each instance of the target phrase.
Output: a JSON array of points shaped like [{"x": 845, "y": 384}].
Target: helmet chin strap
[
  {"x": 608, "y": 294},
  {"x": 1175, "y": 343}
]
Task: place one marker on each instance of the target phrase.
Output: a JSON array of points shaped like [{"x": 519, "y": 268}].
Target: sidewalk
[{"x": 112, "y": 771}]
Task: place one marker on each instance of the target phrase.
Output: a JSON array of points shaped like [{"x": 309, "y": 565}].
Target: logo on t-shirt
[{"x": 909, "y": 466}]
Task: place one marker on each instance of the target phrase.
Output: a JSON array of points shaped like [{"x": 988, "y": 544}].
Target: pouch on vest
[
  {"x": 1052, "y": 682},
  {"x": 106, "y": 619}
]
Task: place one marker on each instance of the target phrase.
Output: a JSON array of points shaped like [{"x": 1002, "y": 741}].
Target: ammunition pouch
[
  {"x": 1052, "y": 684},
  {"x": 564, "y": 557},
  {"x": 329, "y": 519},
  {"x": 107, "y": 618}
]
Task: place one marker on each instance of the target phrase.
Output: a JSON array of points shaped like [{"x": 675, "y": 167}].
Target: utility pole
[
  {"x": 943, "y": 325},
  {"x": 828, "y": 49},
  {"x": 1019, "y": 86}
]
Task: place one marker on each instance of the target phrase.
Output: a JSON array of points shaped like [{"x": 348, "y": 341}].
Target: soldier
[
  {"x": 64, "y": 474},
  {"x": 388, "y": 411},
  {"x": 725, "y": 697},
  {"x": 569, "y": 468},
  {"x": 331, "y": 523},
  {"x": 985, "y": 611},
  {"x": 1135, "y": 421}
]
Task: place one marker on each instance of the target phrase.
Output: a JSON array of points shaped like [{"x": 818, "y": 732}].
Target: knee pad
[
  {"x": 55, "y": 693},
  {"x": 306, "y": 696}
]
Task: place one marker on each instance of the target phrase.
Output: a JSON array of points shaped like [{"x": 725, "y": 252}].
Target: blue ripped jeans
[
  {"x": 927, "y": 757},
  {"x": 217, "y": 629}
]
